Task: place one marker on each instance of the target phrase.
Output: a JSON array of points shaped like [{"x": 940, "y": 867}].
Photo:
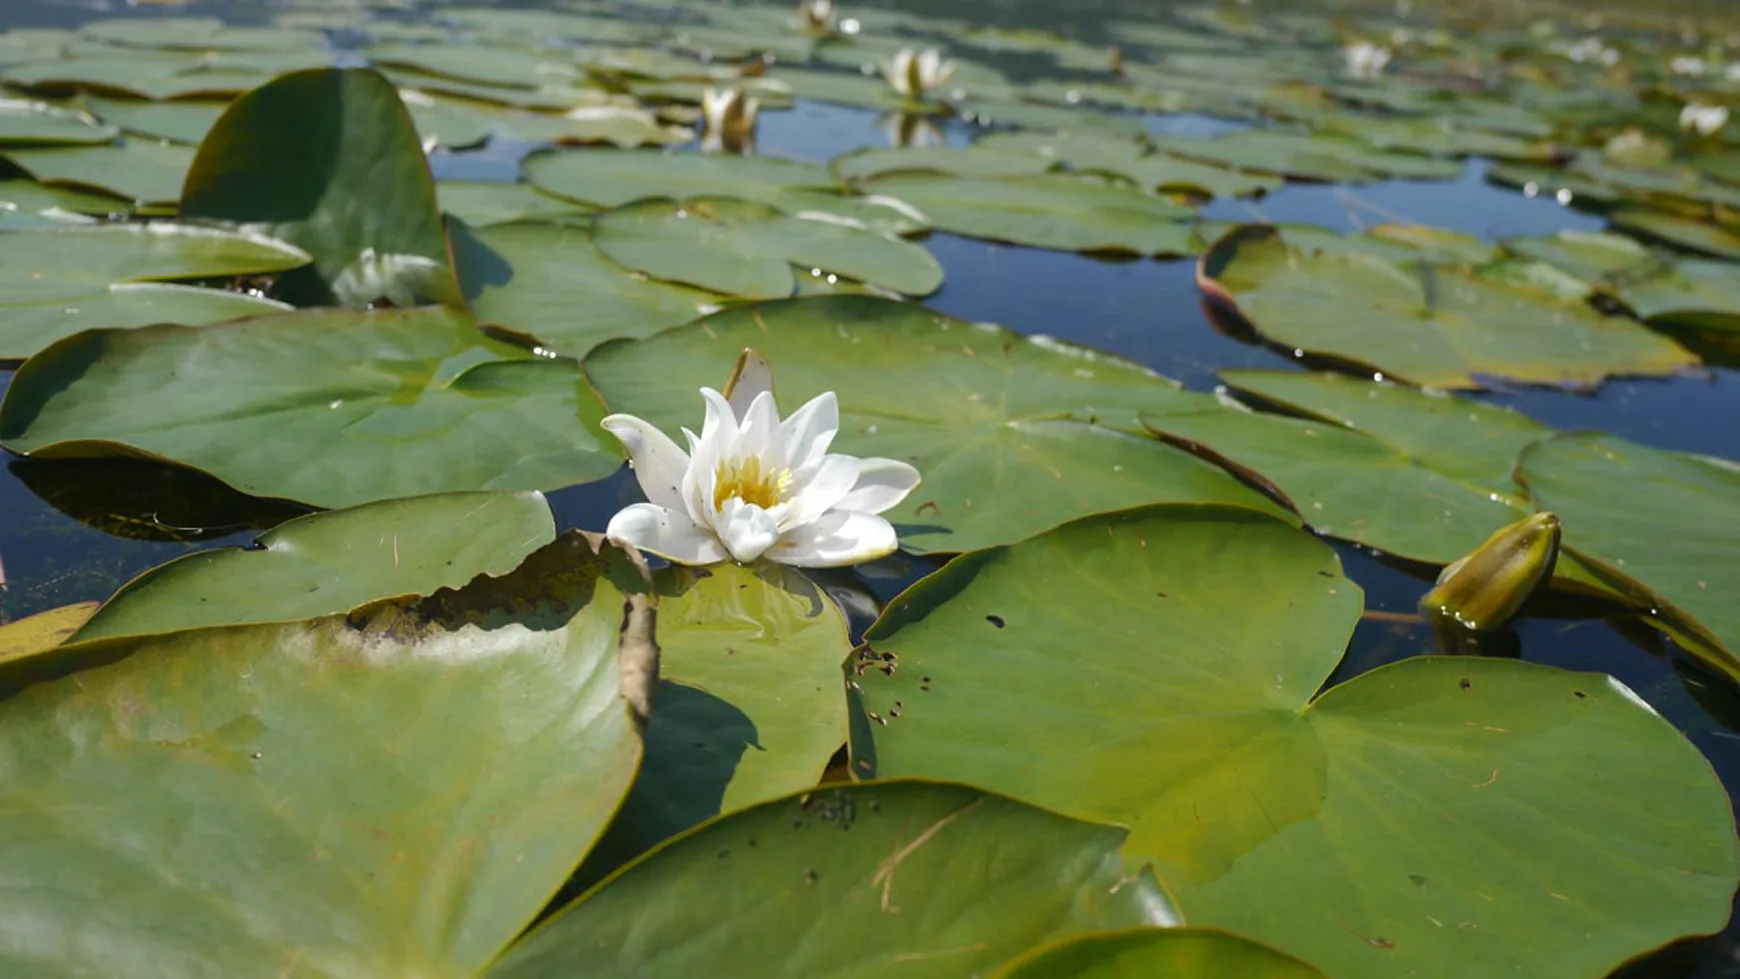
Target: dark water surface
[{"x": 72, "y": 535}]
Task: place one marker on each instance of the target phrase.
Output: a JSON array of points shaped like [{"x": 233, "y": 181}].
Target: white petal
[
  {"x": 753, "y": 375},
  {"x": 840, "y": 538},
  {"x": 659, "y": 465},
  {"x": 668, "y": 533},
  {"x": 746, "y": 530},
  {"x": 881, "y": 484},
  {"x": 758, "y": 428},
  {"x": 831, "y": 481},
  {"x": 809, "y": 431},
  {"x": 720, "y": 425}
]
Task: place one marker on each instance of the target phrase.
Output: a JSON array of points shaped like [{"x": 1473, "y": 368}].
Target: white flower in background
[
  {"x": 906, "y": 129},
  {"x": 1687, "y": 65},
  {"x": 1365, "y": 60},
  {"x": 751, "y": 486},
  {"x": 730, "y": 117},
  {"x": 914, "y": 73},
  {"x": 817, "y": 16},
  {"x": 1705, "y": 120}
]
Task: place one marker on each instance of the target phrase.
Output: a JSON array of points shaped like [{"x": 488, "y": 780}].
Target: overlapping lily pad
[
  {"x": 400, "y": 846},
  {"x": 26, "y": 123},
  {"x": 1177, "y": 953},
  {"x": 328, "y": 160},
  {"x": 956, "y": 881},
  {"x": 178, "y": 122},
  {"x": 56, "y": 282},
  {"x": 612, "y": 178},
  {"x": 1659, "y": 525},
  {"x": 482, "y": 203},
  {"x": 1012, "y": 435},
  {"x": 1308, "y": 157},
  {"x": 1427, "y": 325},
  {"x": 1064, "y": 212},
  {"x": 1683, "y": 232},
  {"x": 551, "y": 283},
  {"x": 331, "y": 408},
  {"x": 746, "y": 249},
  {"x": 1353, "y": 828},
  {"x": 146, "y": 173},
  {"x": 327, "y": 563}
]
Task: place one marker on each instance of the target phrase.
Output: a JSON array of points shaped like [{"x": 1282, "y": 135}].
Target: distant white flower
[
  {"x": 1365, "y": 60},
  {"x": 817, "y": 16},
  {"x": 915, "y": 73},
  {"x": 1687, "y": 65},
  {"x": 1705, "y": 120},
  {"x": 751, "y": 486},
  {"x": 730, "y": 120}
]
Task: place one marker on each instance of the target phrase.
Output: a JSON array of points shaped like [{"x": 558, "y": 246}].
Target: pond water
[{"x": 75, "y": 532}]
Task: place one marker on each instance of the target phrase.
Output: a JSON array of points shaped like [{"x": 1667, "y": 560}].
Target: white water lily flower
[
  {"x": 817, "y": 16},
  {"x": 751, "y": 486},
  {"x": 1705, "y": 120},
  {"x": 1365, "y": 60},
  {"x": 730, "y": 120},
  {"x": 914, "y": 73}
]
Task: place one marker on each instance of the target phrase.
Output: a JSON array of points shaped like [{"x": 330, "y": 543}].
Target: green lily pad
[
  {"x": 1126, "y": 158},
  {"x": 954, "y": 161},
  {"x": 146, "y": 75},
  {"x": 746, "y": 249},
  {"x": 26, "y": 123},
  {"x": 1347, "y": 484},
  {"x": 327, "y": 563},
  {"x": 846, "y": 88},
  {"x": 483, "y": 203},
  {"x": 1050, "y": 118},
  {"x": 144, "y": 173},
  {"x": 1307, "y": 157},
  {"x": 537, "y": 99},
  {"x": 1702, "y": 295},
  {"x": 1436, "y": 326},
  {"x": 29, "y": 197},
  {"x": 1012, "y": 435},
  {"x": 331, "y": 408},
  {"x": 1471, "y": 441},
  {"x": 56, "y": 282},
  {"x": 1352, "y": 828},
  {"x": 1177, "y": 953},
  {"x": 1599, "y": 258},
  {"x": 403, "y": 845},
  {"x": 610, "y": 178},
  {"x": 955, "y": 879},
  {"x": 750, "y": 705},
  {"x": 328, "y": 160},
  {"x": 456, "y": 123},
  {"x": 1659, "y": 525},
  {"x": 516, "y": 67},
  {"x": 178, "y": 122},
  {"x": 1681, "y": 232},
  {"x": 550, "y": 282},
  {"x": 1435, "y": 136},
  {"x": 1051, "y": 211}
]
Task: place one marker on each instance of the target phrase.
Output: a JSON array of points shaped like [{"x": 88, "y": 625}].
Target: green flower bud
[{"x": 1485, "y": 588}]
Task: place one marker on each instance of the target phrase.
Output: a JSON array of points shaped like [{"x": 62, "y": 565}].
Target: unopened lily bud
[
  {"x": 1115, "y": 59},
  {"x": 1485, "y": 588}
]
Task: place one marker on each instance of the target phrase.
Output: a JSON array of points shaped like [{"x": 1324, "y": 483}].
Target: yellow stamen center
[{"x": 746, "y": 480}]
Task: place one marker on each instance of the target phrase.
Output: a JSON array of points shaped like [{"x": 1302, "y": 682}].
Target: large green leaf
[
  {"x": 1429, "y": 325},
  {"x": 1468, "y": 440},
  {"x": 141, "y": 172},
  {"x": 550, "y": 282},
  {"x": 746, "y": 249},
  {"x": 332, "y": 407},
  {"x": 56, "y": 282},
  {"x": 913, "y": 878},
  {"x": 1437, "y": 817},
  {"x": 1146, "y": 953},
  {"x": 751, "y": 704},
  {"x": 1662, "y": 524},
  {"x": 417, "y": 780},
  {"x": 326, "y": 563},
  {"x": 610, "y": 178},
  {"x": 1064, "y": 212},
  {"x": 328, "y": 160},
  {"x": 1011, "y": 435}
]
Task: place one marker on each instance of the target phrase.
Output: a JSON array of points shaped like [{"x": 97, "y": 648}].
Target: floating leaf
[
  {"x": 25, "y": 123},
  {"x": 1307, "y": 157},
  {"x": 402, "y": 846},
  {"x": 1692, "y": 292},
  {"x": 954, "y": 161},
  {"x": 1432, "y": 326},
  {"x": 483, "y": 203},
  {"x": 42, "y": 631},
  {"x": 750, "y": 705},
  {"x": 550, "y": 282},
  {"x": 610, "y": 178},
  {"x": 1051, "y": 211},
  {"x": 145, "y": 173},
  {"x": 1682, "y": 232},
  {"x": 332, "y": 408},
  {"x": 1012, "y": 435},
  {"x": 956, "y": 880},
  {"x": 178, "y": 122},
  {"x": 1353, "y": 828},
  {"x": 746, "y": 249},
  {"x": 1176, "y": 953},
  {"x": 54, "y": 283},
  {"x": 1658, "y": 525},
  {"x": 327, "y": 159},
  {"x": 326, "y": 563}
]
